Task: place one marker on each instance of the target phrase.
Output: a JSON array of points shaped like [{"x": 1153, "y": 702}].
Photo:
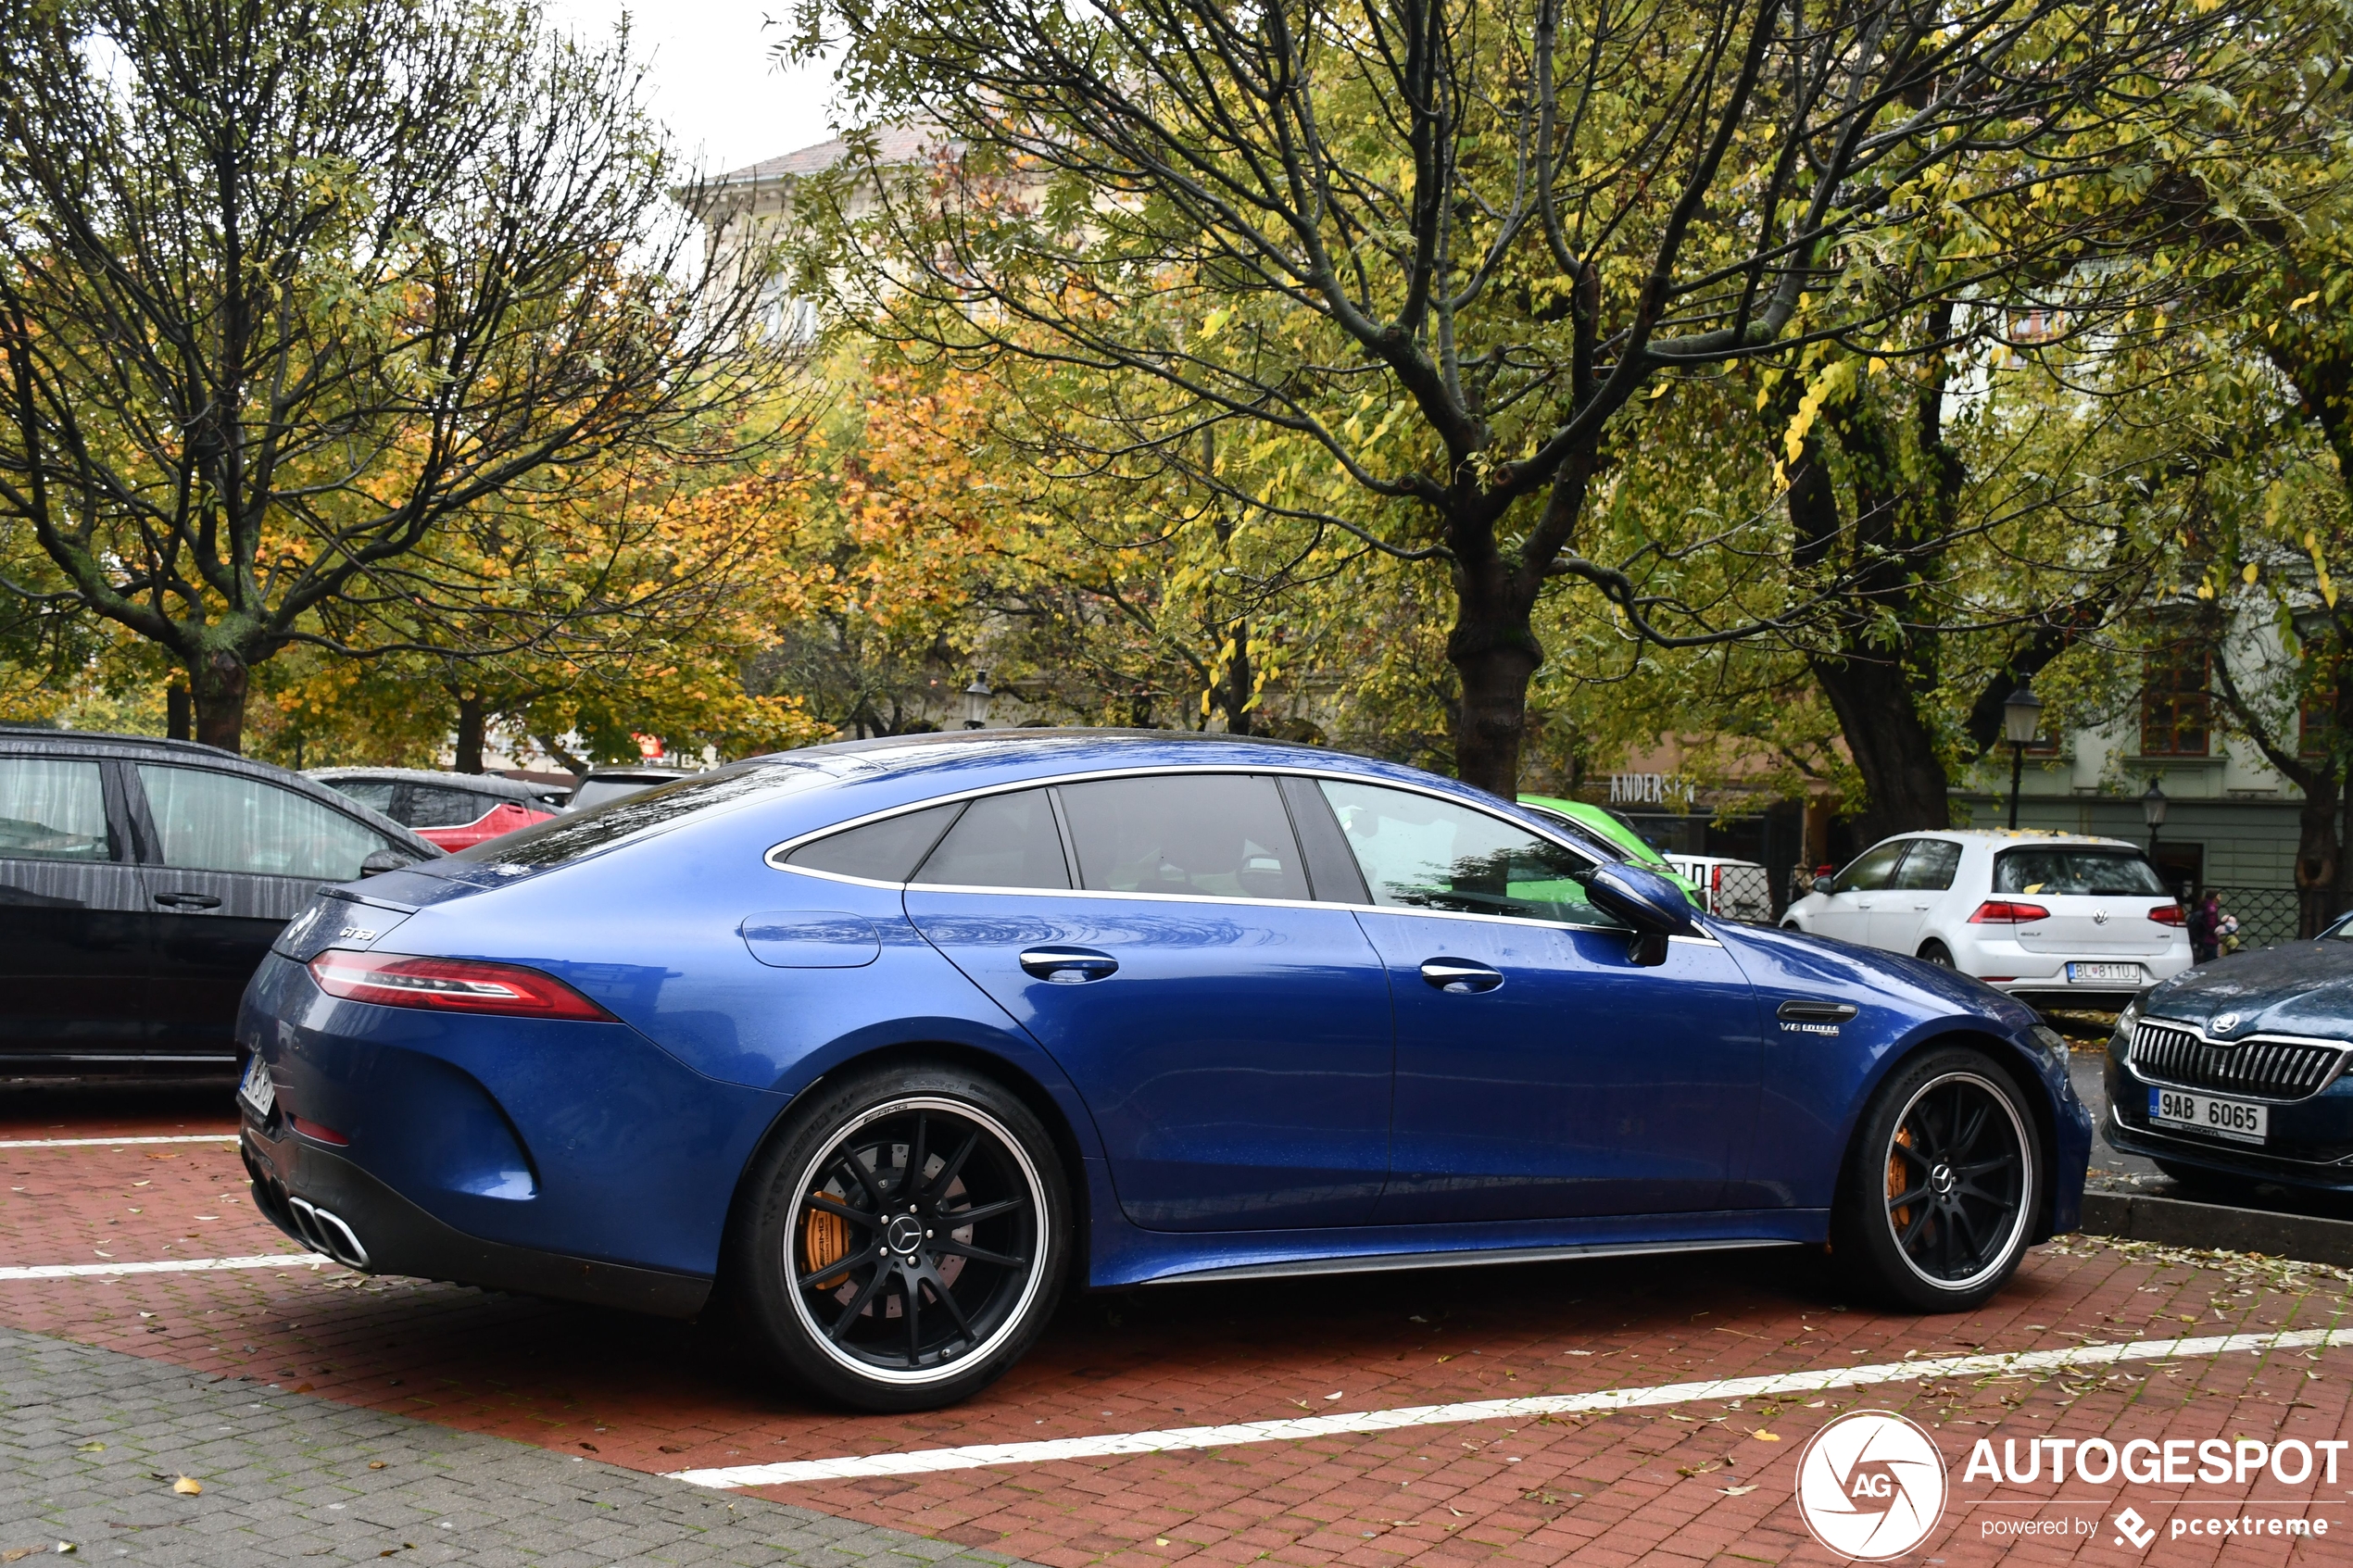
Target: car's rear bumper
[{"x": 357, "y": 1219}]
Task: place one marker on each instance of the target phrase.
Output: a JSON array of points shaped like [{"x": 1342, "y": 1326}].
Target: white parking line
[
  {"x": 980, "y": 1454},
  {"x": 164, "y": 1266},
  {"x": 114, "y": 1143}
]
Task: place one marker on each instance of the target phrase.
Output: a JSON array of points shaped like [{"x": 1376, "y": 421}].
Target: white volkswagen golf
[{"x": 2057, "y": 919}]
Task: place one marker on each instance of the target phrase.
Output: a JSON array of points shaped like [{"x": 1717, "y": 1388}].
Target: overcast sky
[{"x": 714, "y": 83}]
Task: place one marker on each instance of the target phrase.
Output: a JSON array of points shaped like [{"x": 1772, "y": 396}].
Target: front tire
[
  {"x": 905, "y": 1239},
  {"x": 1943, "y": 1185}
]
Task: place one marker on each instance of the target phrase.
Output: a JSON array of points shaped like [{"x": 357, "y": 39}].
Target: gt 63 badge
[{"x": 1870, "y": 1485}]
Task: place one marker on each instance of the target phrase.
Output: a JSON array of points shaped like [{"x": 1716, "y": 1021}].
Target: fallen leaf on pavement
[
  {"x": 187, "y": 1487},
  {"x": 1736, "y": 1491},
  {"x": 1764, "y": 1436}
]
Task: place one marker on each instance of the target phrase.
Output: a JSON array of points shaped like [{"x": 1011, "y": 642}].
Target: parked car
[
  {"x": 601, "y": 786},
  {"x": 455, "y": 810},
  {"x": 888, "y": 1038},
  {"x": 1735, "y": 889},
  {"x": 141, "y": 881},
  {"x": 1614, "y": 832},
  {"x": 2057, "y": 919},
  {"x": 2232, "y": 1074}
]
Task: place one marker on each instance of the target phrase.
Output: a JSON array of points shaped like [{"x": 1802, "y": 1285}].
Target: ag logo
[{"x": 1870, "y": 1485}]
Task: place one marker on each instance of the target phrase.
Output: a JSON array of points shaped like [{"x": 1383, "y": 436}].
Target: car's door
[
  {"x": 233, "y": 857},
  {"x": 1231, "y": 1035},
  {"x": 1846, "y": 911},
  {"x": 73, "y": 957},
  {"x": 1920, "y": 881},
  {"x": 1541, "y": 1071}
]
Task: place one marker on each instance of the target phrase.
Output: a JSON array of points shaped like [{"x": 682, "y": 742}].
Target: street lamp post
[
  {"x": 976, "y": 699},
  {"x": 2153, "y": 812},
  {"x": 2021, "y": 715}
]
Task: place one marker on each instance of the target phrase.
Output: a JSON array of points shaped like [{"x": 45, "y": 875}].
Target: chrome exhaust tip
[{"x": 327, "y": 1233}]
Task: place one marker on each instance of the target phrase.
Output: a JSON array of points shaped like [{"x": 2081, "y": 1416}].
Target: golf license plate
[
  {"x": 258, "y": 1090},
  {"x": 2232, "y": 1119},
  {"x": 2130, "y": 973}
]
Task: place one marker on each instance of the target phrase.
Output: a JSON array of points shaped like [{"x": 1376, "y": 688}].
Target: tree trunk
[
  {"x": 2316, "y": 857},
  {"x": 1495, "y": 656},
  {"x": 472, "y": 722},
  {"x": 179, "y": 717},
  {"x": 1893, "y": 748},
  {"x": 1238, "y": 682},
  {"x": 218, "y": 682}
]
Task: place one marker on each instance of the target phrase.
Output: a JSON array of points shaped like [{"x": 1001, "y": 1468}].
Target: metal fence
[
  {"x": 2267, "y": 916},
  {"x": 1743, "y": 892}
]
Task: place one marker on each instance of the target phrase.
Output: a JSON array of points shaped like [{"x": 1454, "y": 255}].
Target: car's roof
[
  {"x": 641, "y": 770},
  {"x": 2014, "y": 837},
  {"x": 479, "y": 784},
  {"x": 108, "y": 740}
]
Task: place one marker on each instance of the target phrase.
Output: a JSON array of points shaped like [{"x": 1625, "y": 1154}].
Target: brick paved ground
[
  {"x": 96, "y": 1442},
  {"x": 1666, "y": 1486}
]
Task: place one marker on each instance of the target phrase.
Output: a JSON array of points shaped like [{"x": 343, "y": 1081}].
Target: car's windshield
[{"x": 2058, "y": 872}]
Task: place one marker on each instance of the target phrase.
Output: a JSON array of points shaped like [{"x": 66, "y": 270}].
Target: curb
[{"x": 2172, "y": 1223}]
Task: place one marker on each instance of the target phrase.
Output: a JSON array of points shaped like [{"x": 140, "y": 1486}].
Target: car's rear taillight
[
  {"x": 2169, "y": 914},
  {"x": 394, "y": 979},
  {"x": 2003, "y": 911}
]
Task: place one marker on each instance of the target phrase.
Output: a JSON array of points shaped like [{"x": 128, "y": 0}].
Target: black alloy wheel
[
  {"x": 912, "y": 1241},
  {"x": 1944, "y": 1185}
]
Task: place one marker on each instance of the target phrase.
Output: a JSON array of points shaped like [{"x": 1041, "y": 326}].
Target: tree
[
  {"x": 288, "y": 286},
  {"x": 1454, "y": 244}
]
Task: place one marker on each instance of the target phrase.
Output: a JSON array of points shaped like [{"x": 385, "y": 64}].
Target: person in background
[{"x": 2206, "y": 918}]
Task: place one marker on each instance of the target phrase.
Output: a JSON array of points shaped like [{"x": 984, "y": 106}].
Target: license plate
[
  {"x": 258, "y": 1090},
  {"x": 2233, "y": 1119},
  {"x": 2128, "y": 972}
]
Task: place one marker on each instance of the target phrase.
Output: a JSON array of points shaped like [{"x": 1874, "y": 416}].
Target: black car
[
  {"x": 2233, "y": 1073},
  {"x": 141, "y": 881}
]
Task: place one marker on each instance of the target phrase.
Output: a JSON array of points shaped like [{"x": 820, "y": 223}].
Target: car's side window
[
  {"x": 1222, "y": 835},
  {"x": 211, "y": 822},
  {"x": 1871, "y": 872},
  {"x": 1420, "y": 852},
  {"x": 438, "y": 805},
  {"x": 883, "y": 851},
  {"x": 1929, "y": 867},
  {"x": 52, "y": 809},
  {"x": 374, "y": 794},
  {"x": 1001, "y": 841}
]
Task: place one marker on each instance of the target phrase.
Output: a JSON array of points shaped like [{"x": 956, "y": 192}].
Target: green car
[{"x": 1600, "y": 823}]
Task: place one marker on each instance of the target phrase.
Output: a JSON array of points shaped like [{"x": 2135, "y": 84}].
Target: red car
[{"x": 454, "y": 811}]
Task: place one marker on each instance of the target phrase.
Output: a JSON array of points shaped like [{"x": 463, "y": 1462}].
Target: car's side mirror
[
  {"x": 1826, "y": 884},
  {"x": 384, "y": 861},
  {"x": 1654, "y": 906}
]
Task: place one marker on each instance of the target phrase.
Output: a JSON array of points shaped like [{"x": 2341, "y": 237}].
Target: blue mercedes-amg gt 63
[{"x": 886, "y": 1042}]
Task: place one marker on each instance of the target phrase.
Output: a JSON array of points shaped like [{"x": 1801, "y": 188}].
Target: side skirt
[{"x": 1391, "y": 1261}]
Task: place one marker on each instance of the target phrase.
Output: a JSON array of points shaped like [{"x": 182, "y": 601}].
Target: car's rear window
[
  {"x": 575, "y": 834},
  {"x": 2059, "y": 873}
]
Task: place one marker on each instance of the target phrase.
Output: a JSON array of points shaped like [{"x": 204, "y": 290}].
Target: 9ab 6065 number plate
[{"x": 2232, "y": 1119}]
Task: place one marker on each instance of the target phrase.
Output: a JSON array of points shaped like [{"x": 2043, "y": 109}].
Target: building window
[
  {"x": 2314, "y": 720},
  {"x": 2175, "y": 705}
]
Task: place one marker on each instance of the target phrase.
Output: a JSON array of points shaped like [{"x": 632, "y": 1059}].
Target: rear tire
[
  {"x": 904, "y": 1238},
  {"x": 1938, "y": 954},
  {"x": 1941, "y": 1186}
]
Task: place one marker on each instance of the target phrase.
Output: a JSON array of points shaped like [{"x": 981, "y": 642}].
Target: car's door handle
[
  {"x": 187, "y": 901},
  {"x": 1460, "y": 975},
  {"x": 1805, "y": 1011},
  {"x": 1069, "y": 966}
]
